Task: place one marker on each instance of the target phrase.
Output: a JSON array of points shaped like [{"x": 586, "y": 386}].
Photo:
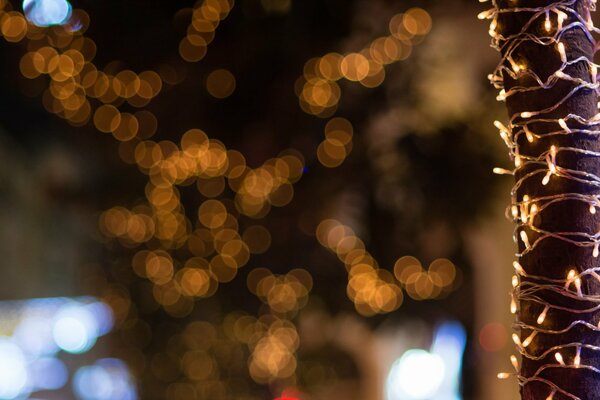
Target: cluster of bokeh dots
[
  {"x": 372, "y": 289},
  {"x": 337, "y": 144},
  {"x": 284, "y": 294},
  {"x": 206, "y": 16},
  {"x": 318, "y": 90},
  {"x": 200, "y": 362},
  {"x": 273, "y": 355},
  {"x": 375, "y": 290},
  {"x": 78, "y": 90},
  {"x": 186, "y": 257},
  {"x": 215, "y": 245},
  {"x": 423, "y": 284}
]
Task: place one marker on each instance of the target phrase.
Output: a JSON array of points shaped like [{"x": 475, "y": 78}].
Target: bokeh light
[
  {"x": 13, "y": 371},
  {"x": 107, "y": 379},
  {"x": 417, "y": 375},
  {"x": 47, "y": 12}
]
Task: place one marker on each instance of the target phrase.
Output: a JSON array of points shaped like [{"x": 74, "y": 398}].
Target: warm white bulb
[
  {"x": 514, "y": 362},
  {"x": 542, "y": 316},
  {"x": 529, "y": 339},
  {"x": 534, "y": 209},
  {"x": 529, "y": 134},
  {"x": 546, "y": 178},
  {"x": 518, "y": 267},
  {"x": 483, "y": 15},
  {"x": 502, "y": 171},
  {"x": 559, "y": 358},
  {"x": 516, "y": 339},
  {"x": 561, "y": 18}
]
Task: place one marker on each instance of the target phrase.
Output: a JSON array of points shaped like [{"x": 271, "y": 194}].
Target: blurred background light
[
  {"x": 34, "y": 335},
  {"x": 102, "y": 315},
  {"x": 48, "y": 373},
  {"x": 47, "y": 12},
  {"x": 107, "y": 379},
  {"x": 13, "y": 372},
  {"x": 449, "y": 344},
  {"x": 75, "y": 329},
  {"x": 91, "y": 383},
  {"x": 417, "y": 375}
]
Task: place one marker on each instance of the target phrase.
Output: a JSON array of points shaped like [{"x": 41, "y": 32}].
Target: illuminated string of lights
[{"x": 553, "y": 21}]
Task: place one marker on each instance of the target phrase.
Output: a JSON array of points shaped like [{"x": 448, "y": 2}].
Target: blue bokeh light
[
  {"x": 48, "y": 373},
  {"x": 34, "y": 336},
  {"x": 47, "y": 12},
  {"x": 13, "y": 371},
  {"x": 107, "y": 379},
  {"x": 102, "y": 315},
  {"x": 433, "y": 374},
  {"x": 75, "y": 329}
]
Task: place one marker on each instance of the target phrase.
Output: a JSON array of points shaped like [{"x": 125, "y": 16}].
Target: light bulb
[
  {"x": 516, "y": 339},
  {"x": 529, "y": 339},
  {"x": 542, "y": 316},
  {"x": 518, "y": 268},
  {"x": 514, "y": 362}
]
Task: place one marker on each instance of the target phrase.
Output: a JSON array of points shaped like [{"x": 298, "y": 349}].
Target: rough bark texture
[{"x": 554, "y": 258}]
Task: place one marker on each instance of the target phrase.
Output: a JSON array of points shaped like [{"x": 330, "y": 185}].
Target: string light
[
  {"x": 548, "y": 25},
  {"x": 559, "y": 358},
  {"x": 514, "y": 362},
  {"x": 529, "y": 339},
  {"x": 542, "y": 316}
]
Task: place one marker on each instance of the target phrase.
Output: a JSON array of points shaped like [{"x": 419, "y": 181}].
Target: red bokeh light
[
  {"x": 493, "y": 337},
  {"x": 289, "y": 394}
]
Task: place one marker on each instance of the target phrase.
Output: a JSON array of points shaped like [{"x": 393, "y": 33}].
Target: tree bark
[{"x": 553, "y": 257}]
